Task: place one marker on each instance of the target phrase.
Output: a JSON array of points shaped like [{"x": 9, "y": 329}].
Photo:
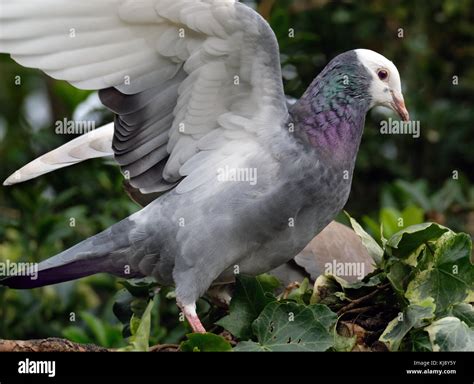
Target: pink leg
[{"x": 189, "y": 312}]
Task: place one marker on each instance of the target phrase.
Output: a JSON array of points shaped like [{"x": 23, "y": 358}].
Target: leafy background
[{"x": 396, "y": 176}]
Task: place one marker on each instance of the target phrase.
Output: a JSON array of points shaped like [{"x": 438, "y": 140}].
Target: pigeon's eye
[{"x": 383, "y": 74}]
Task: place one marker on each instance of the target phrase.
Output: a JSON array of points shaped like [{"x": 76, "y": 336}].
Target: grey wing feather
[{"x": 141, "y": 132}]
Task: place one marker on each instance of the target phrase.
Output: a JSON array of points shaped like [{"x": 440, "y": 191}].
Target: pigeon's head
[{"x": 385, "y": 88}]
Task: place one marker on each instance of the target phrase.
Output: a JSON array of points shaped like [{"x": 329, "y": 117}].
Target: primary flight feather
[{"x": 197, "y": 92}]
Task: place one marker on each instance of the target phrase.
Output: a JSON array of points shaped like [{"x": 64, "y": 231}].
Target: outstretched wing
[{"x": 195, "y": 84}]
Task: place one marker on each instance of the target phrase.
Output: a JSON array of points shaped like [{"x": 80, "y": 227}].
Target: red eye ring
[{"x": 382, "y": 74}]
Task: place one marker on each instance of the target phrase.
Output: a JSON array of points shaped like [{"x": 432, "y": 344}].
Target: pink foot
[{"x": 192, "y": 317}]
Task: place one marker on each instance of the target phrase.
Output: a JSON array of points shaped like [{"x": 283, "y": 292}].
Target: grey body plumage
[{"x": 190, "y": 241}]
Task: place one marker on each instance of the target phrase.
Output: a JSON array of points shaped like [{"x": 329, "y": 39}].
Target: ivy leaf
[
  {"x": 375, "y": 251},
  {"x": 121, "y": 307},
  {"x": 129, "y": 309},
  {"x": 450, "y": 276},
  {"x": 288, "y": 326},
  {"x": 412, "y": 316},
  {"x": 399, "y": 276},
  {"x": 140, "y": 287},
  {"x": 451, "y": 334},
  {"x": 403, "y": 243},
  {"x": 139, "y": 341},
  {"x": 419, "y": 341},
  {"x": 205, "y": 342},
  {"x": 371, "y": 280},
  {"x": 464, "y": 312},
  {"x": 250, "y": 346},
  {"x": 251, "y": 295}
]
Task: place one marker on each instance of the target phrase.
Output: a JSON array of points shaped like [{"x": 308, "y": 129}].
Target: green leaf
[
  {"x": 375, "y": 251},
  {"x": 268, "y": 282},
  {"x": 464, "y": 312},
  {"x": 412, "y": 316},
  {"x": 205, "y": 342},
  {"x": 96, "y": 327},
  {"x": 287, "y": 326},
  {"x": 139, "y": 341},
  {"x": 251, "y": 296},
  {"x": 450, "y": 276},
  {"x": 398, "y": 276},
  {"x": 412, "y": 215},
  {"x": 76, "y": 335},
  {"x": 404, "y": 242},
  {"x": 389, "y": 219},
  {"x": 140, "y": 287},
  {"x": 344, "y": 343},
  {"x": 129, "y": 309},
  {"x": 121, "y": 307},
  {"x": 451, "y": 334},
  {"x": 448, "y": 195},
  {"x": 416, "y": 192},
  {"x": 372, "y": 226},
  {"x": 301, "y": 294},
  {"x": 370, "y": 280},
  {"x": 419, "y": 341},
  {"x": 134, "y": 324},
  {"x": 250, "y": 346},
  {"x": 326, "y": 291}
]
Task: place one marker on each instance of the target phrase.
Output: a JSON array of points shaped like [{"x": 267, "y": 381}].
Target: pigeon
[{"x": 243, "y": 181}]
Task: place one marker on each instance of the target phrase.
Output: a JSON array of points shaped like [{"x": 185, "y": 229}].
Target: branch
[
  {"x": 48, "y": 345},
  {"x": 54, "y": 344}
]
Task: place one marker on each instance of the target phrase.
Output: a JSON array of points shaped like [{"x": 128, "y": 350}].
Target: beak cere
[{"x": 399, "y": 106}]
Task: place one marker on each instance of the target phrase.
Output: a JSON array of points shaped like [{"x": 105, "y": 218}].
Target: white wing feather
[
  {"x": 94, "y": 144},
  {"x": 232, "y": 95}
]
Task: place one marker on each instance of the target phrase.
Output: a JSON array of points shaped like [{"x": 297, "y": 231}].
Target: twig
[
  {"x": 355, "y": 303},
  {"x": 359, "y": 310},
  {"x": 164, "y": 348}
]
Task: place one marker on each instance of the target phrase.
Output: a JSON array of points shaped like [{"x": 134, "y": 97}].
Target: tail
[
  {"x": 106, "y": 252},
  {"x": 96, "y": 143}
]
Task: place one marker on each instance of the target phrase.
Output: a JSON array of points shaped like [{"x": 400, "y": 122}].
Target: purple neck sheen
[{"x": 330, "y": 116}]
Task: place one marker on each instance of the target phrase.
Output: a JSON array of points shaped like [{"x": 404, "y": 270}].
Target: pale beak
[{"x": 398, "y": 105}]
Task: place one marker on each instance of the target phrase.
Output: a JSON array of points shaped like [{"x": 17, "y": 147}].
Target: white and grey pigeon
[{"x": 197, "y": 91}]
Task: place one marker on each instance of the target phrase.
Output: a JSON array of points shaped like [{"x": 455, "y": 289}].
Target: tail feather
[
  {"x": 105, "y": 252},
  {"x": 96, "y": 143},
  {"x": 55, "y": 275}
]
